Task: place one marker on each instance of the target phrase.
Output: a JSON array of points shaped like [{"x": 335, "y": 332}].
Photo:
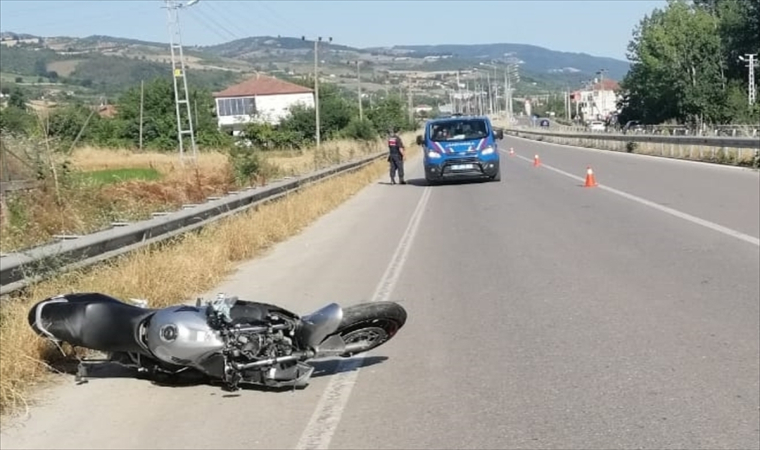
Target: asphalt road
[{"x": 541, "y": 315}]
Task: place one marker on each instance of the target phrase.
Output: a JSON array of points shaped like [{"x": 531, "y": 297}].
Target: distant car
[
  {"x": 596, "y": 125},
  {"x": 460, "y": 147},
  {"x": 633, "y": 126}
]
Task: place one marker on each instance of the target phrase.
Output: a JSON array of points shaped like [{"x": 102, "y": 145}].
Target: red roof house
[
  {"x": 263, "y": 85},
  {"x": 261, "y": 98}
]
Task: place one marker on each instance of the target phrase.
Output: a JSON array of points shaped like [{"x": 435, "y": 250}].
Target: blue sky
[{"x": 597, "y": 27}]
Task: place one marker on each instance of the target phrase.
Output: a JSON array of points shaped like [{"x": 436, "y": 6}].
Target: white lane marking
[
  {"x": 326, "y": 417},
  {"x": 665, "y": 159},
  {"x": 673, "y": 212}
]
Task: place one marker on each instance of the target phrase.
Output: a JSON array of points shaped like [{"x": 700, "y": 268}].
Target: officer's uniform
[{"x": 396, "y": 157}]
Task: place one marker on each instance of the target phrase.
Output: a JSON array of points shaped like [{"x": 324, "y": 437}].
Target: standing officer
[{"x": 396, "y": 155}]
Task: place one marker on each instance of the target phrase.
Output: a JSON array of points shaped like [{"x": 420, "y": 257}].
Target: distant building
[
  {"x": 423, "y": 108},
  {"x": 261, "y": 98},
  {"x": 598, "y": 101}
]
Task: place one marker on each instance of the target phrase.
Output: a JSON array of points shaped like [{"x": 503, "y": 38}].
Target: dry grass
[
  {"x": 64, "y": 68},
  {"x": 92, "y": 158},
  {"x": 192, "y": 264},
  {"x": 332, "y": 152},
  {"x": 81, "y": 208}
]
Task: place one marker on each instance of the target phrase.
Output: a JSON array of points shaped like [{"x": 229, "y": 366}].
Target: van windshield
[{"x": 458, "y": 130}]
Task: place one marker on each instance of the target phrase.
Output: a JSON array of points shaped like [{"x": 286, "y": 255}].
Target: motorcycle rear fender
[{"x": 315, "y": 327}]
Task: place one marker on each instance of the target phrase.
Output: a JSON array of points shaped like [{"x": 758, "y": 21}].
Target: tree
[
  {"x": 71, "y": 121},
  {"x": 15, "y": 121},
  {"x": 159, "y": 125},
  {"x": 389, "y": 113},
  {"x": 17, "y": 99},
  {"x": 685, "y": 62}
]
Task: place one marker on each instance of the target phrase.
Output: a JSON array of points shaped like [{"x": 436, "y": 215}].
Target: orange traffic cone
[
  {"x": 590, "y": 180},
  {"x": 511, "y": 151},
  {"x": 536, "y": 161}
]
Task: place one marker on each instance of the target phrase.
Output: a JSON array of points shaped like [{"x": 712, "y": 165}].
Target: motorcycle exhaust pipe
[
  {"x": 270, "y": 361},
  {"x": 342, "y": 350},
  {"x": 355, "y": 348}
]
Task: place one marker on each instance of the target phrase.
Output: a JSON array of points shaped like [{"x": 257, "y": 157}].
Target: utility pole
[
  {"x": 411, "y": 104},
  {"x": 180, "y": 93},
  {"x": 359, "y": 87},
  {"x": 142, "y": 97},
  {"x": 459, "y": 94},
  {"x": 751, "y": 62},
  {"x": 316, "y": 85},
  {"x": 602, "y": 98},
  {"x": 469, "y": 97},
  {"x": 490, "y": 98},
  {"x": 507, "y": 95}
]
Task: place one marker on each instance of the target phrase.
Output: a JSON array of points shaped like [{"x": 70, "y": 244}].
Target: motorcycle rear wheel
[{"x": 372, "y": 324}]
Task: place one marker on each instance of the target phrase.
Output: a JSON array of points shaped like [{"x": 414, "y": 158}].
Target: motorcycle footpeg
[{"x": 81, "y": 376}]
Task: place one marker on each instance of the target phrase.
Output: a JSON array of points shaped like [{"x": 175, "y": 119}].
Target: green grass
[
  {"x": 6, "y": 77},
  {"x": 111, "y": 176}
]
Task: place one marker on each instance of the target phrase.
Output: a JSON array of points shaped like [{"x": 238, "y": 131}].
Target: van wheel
[{"x": 496, "y": 177}]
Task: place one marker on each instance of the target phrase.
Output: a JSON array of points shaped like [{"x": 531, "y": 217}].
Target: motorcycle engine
[{"x": 257, "y": 345}]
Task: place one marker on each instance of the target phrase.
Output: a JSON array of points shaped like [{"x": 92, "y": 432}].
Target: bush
[
  {"x": 338, "y": 119},
  {"x": 264, "y": 136},
  {"x": 246, "y": 164},
  {"x": 361, "y": 130}
]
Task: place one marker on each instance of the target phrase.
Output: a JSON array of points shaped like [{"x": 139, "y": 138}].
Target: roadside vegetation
[
  {"x": 190, "y": 265},
  {"x": 685, "y": 65},
  {"x": 90, "y": 171}
]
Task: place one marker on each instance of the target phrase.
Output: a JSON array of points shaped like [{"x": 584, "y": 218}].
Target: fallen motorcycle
[{"x": 227, "y": 340}]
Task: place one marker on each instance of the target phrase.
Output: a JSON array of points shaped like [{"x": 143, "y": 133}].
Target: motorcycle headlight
[
  {"x": 434, "y": 155},
  {"x": 487, "y": 151}
]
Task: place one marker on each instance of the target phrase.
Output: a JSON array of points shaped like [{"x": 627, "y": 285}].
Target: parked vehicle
[{"x": 460, "y": 147}]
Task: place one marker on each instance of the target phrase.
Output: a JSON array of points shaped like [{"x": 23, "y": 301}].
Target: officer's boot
[{"x": 402, "y": 180}]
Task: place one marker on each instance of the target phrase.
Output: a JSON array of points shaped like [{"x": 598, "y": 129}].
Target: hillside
[
  {"x": 105, "y": 65},
  {"x": 536, "y": 59},
  {"x": 533, "y": 59}
]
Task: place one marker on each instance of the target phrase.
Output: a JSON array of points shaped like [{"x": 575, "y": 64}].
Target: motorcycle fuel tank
[{"x": 181, "y": 335}]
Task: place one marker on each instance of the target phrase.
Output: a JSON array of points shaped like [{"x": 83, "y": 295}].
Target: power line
[
  {"x": 214, "y": 30},
  {"x": 223, "y": 14},
  {"x": 220, "y": 26}
]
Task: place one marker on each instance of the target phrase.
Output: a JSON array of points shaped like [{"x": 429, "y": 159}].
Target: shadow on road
[
  {"x": 332, "y": 367},
  {"x": 421, "y": 182},
  {"x": 106, "y": 370}
]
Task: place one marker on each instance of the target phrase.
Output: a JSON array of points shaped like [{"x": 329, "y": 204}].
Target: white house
[
  {"x": 260, "y": 98},
  {"x": 597, "y": 102}
]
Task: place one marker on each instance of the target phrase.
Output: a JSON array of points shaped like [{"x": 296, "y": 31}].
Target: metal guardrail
[
  {"x": 669, "y": 130},
  {"x": 17, "y": 185},
  {"x": 707, "y": 141},
  {"x": 20, "y": 269}
]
